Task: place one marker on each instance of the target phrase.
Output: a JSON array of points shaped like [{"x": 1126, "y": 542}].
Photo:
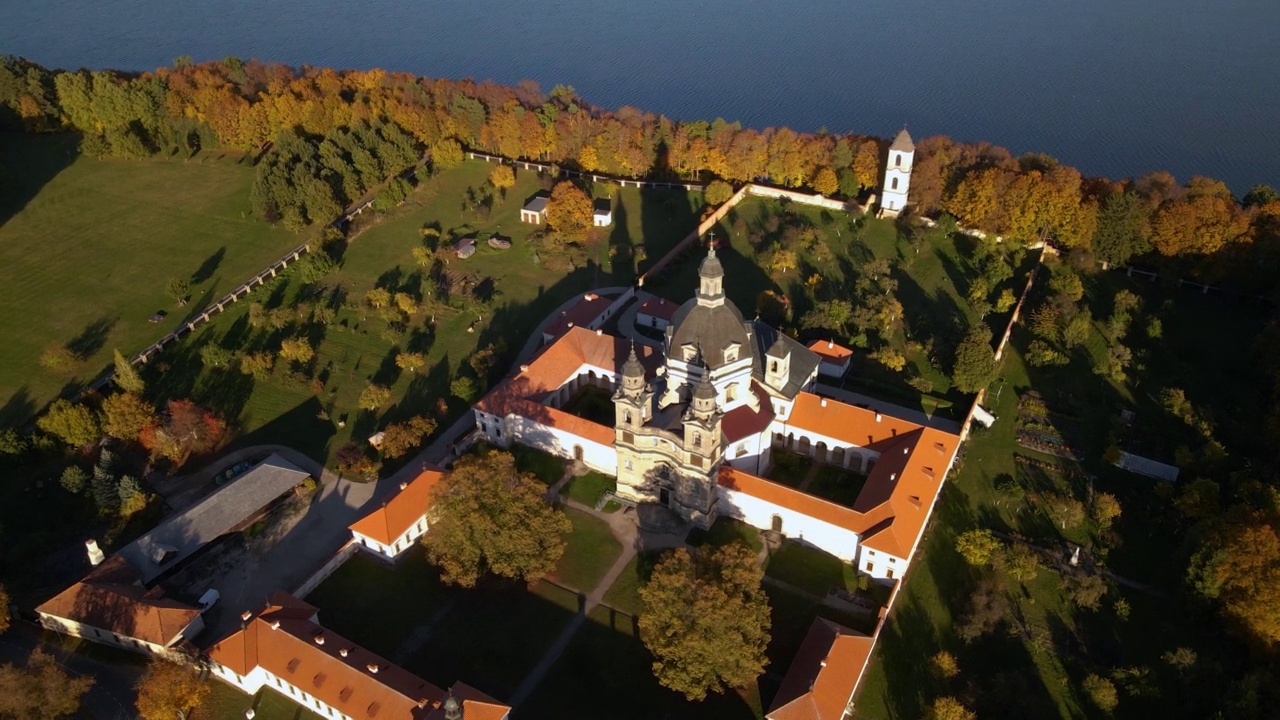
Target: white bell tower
[{"x": 897, "y": 175}]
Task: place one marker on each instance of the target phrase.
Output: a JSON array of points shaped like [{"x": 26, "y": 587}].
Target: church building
[{"x": 697, "y": 421}]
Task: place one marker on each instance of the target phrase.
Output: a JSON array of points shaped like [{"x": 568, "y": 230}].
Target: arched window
[
  {"x": 894, "y": 184},
  {"x": 697, "y": 440},
  {"x": 897, "y": 160},
  {"x": 626, "y": 417},
  {"x": 731, "y": 393},
  {"x": 773, "y": 366}
]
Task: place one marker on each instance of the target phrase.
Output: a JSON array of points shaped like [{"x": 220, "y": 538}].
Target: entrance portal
[
  {"x": 577, "y": 453},
  {"x": 777, "y": 523},
  {"x": 664, "y": 497}
]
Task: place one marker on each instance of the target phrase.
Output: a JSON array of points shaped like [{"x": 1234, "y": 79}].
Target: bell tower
[
  {"x": 633, "y": 401},
  {"x": 897, "y": 175},
  {"x": 702, "y": 425}
]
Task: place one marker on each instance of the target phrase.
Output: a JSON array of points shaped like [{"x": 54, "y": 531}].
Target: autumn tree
[
  {"x": 125, "y": 414},
  {"x": 126, "y": 375},
  {"x": 1104, "y": 509},
  {"x": 569, "y": 211},
  {"x": 825, "y": 182},
  {"x": 502, "y": 177},
  {"x": 40, "y": 691},
  {"x": 489, "y": 518},
  {"x": 446, "y": 154},
  {"x": 1085, "y": 589},
  {"x": 296, "y": 350},
  {"x": 73, "y": 424},
  {"x": 188, "y": 428},
  {"x": 410, "y": 361},
  {"x": 706, "y": 620},
  {"x": 4, "y": 610},
  {"x": 400, "y": 438},
  {"x": 1101, "y": 692},
  {"x": 978, "y": 547},
  {"x": 1065, "y": 511},
  {"x": 1238, "y": 565},
  {"x": 943, "y": 665},
  {"x": 975, "y": 366},
  {"x": 169, "y": 690},
  {"x": 257, "y": 365},
  {"x": 866, "y": 164},
  {"x": 378, "y": 298},
  {"x": 373, "y": 397},
  {"x": 57, "y": 357},
  {"x": 949, "y": 708}
]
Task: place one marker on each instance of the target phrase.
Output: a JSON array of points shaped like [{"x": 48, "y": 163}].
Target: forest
[{"x": 323, "y": 139}]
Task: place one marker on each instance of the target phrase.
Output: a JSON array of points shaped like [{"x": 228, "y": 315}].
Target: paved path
[{"x": 809, "y": 475}]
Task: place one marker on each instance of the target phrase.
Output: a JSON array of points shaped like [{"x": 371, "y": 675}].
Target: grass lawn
[
  {"x": 227, "y": 703},
  {"x": 390, "y": 603},
  {"x": 724, "y": 531},
  {"x": 87, "y": 246},
  {"x": 606, "y": 672},
  {"x": 838, "y": 485},
  {"x": 546, "y": 467},
  {"x": 589, "y": 488},
  {"x": 594, "y": 404},
  {"x": 788, "y": 468},
  {"x": 810, "y": 569},
  {"x": 624, "y": 593},
  {"x": 357, "y": 348},
  {"x": 591, "y": 552}
]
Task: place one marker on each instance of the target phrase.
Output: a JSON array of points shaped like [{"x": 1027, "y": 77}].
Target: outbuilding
[
  {"x": 535, "y": 211},
  {"x": 603, "y": 215}
]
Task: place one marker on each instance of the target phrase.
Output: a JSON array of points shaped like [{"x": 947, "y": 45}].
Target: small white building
[
  {"x": 835, "y": 357},
  {"x": 897, "y": 175},
  {"x": 535, "y": 211},
  {"x": 656, "y": 313},
  {"x": 399, "y": 522},
  {"x": 603, "y": 214}
]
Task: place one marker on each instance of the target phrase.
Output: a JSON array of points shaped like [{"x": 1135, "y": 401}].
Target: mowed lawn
[{"x": 87, "y": 246}]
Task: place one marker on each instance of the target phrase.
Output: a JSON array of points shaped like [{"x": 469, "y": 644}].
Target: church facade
[{"x": 697, "y": 421}]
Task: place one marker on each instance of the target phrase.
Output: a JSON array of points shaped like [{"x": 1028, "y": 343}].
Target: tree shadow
[
  {"x": 28, "y": 161},
  {"x": 209, "y": 266},
  {"x": 18, "y": 409},
  {"x": 92, "y": 338}
]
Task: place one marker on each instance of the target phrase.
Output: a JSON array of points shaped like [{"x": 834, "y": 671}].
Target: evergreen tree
[{"x": 127, "y": 377}]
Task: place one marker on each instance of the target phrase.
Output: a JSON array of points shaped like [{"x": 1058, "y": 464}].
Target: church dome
[{"x": 709, "y": 323}]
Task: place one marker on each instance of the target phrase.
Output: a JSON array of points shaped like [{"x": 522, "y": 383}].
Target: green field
[
  {"x": 87, "y": 246},
  {"x": 355, "y": 347}
]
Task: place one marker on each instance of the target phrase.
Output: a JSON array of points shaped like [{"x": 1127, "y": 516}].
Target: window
[
  {"x": 892, "y": 561},
  {"x": 889, "y": 573},
  {"x": 773, "y": 366},
  {"x": 626, "y": 417},
  {"x": 897, "y": 160},
  {"x": 697, "y": 439},
  {"x": 731, "y": 393},
  {"x": 894, "y": 184},
  {"x": 628, "y": 464},
  {"x": 871, "y": 566}
]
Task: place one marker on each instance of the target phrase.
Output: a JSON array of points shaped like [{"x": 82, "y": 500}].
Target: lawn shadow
[
  {"x": 28, "y": 161},
  {"x": 299, "y": 428},
  {"x": 19, "y": 408},
  {"x": 92, "y": 338},
  {"x": 209, "y": 266}
]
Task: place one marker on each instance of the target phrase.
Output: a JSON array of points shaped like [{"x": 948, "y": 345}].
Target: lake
[{"x": 1114, "y": 87}]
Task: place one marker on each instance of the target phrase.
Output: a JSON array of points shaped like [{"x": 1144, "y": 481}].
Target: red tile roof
[
  {"x": 659, "y": 308},
  {"x": 286, "y": 641},
  {"x": 581, "y": 315},
  {"x": 847, "y": 423},
  {"x": 110, "y": 598},
  {"x": 401, "y": 512},
  {"x": 823, "y": 675},
  {"x": 743, "y": 421},
  {"x": 830, "y": 351}
]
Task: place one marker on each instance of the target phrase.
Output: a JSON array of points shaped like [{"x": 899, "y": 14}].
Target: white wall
[
  {"x": 750, "y": 453},
  {"x": 105, "y": 637},
  {"x": 881, "y": 565},
  {"x": 402, "y": 543},
  {"x": 855, "y": 457},
  {"x": 596, "y": 456},
  {"x": 759, "y": 513},
  {"x": 259, "y": 678}
]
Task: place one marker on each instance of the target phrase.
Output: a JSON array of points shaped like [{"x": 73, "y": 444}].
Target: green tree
[
  {"x": 1006, "y": 301},
  {"x": 569, "y": 211},
  {"x": 179, "y": 290},
  {"x": 464, "y": 388},
  {"x": 1101, "y": 692},
  {"x": 125, "y": 414},
  {"x": 57, "y": 357},
  {"x": 126, "y": 375},
  {"x": 423, "y": 256},
  {"x": 487, "y": 517},
  {"x": 978, "y": 547},
  {"x": 1085, "y": 590},
  {"x": 214, "y": 355},
  {"x": 717, "y": 193},
  {"x": 706, "y": 620},
  {"x": 374, "y": 396},
  {"x": 1020, "y": 562},
  {"x": 257, "y": 365},
  {"x": 74, "y": 478},
  {"x": 1123, "y": 229},
  {"x": 73, "y": 424},
  {"x": 168, "y": 690},
  {"x": 975, "y": 366},
  {"x": 40, "y": 691},
  {"x": 12, "y": 443},
  {"x": 400, "y": 438}
]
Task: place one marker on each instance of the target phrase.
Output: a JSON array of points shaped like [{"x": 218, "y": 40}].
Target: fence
[
  {"x": 692, "y": 237},
  {"x": 328, "y": 568},
  {"x": 804, "y": 198},
  {"x": 594, "y": 177}
]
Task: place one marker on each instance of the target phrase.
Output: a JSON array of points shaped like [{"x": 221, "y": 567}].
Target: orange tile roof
[
  {"x": 109, "y": 599},
  {"x": 743, "y": 421},
  {"x": 847, "y": 423},
  {"x": 829, "y": 350},
  {"x": 910, "y": 496},
  {"x": 583, "y": 313},
  {"x": 401, "y": 512},
  {"x": 286, "y": 641},
  {"x": 823, "y": 675}
]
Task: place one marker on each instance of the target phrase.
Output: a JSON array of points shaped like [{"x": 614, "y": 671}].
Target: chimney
[
  {"x": 906, "y": 451},
  {"x": 893, "y": 476},
  {"x": 831, "y": 344},
  {"x": 823, "y": 402},
  {"x": 275, "y": 624},
  {"x": 247, "y": 615},
  {"x": 404, "y": 485},
  {"x": 95, "y": 554},
  {"x": 524, "y": 368},
  {"x": 343, "y": 652},
  {"x": 877, "y": 417},
  {"x": 599, "y": 331},
  {"x": 373, "y": 668},
  {"x": 319, "y": 638}
]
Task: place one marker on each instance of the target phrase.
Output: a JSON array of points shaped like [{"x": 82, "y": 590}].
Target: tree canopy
[
  {"x": 706, "y": 620},
  {"x": 40, "y": 691},
  {"x": 168, "y": 690},
  {"x": 975, "y": 366},
  {"x": 569, "y": 211},
  {"x": 487, "y": 517}
]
